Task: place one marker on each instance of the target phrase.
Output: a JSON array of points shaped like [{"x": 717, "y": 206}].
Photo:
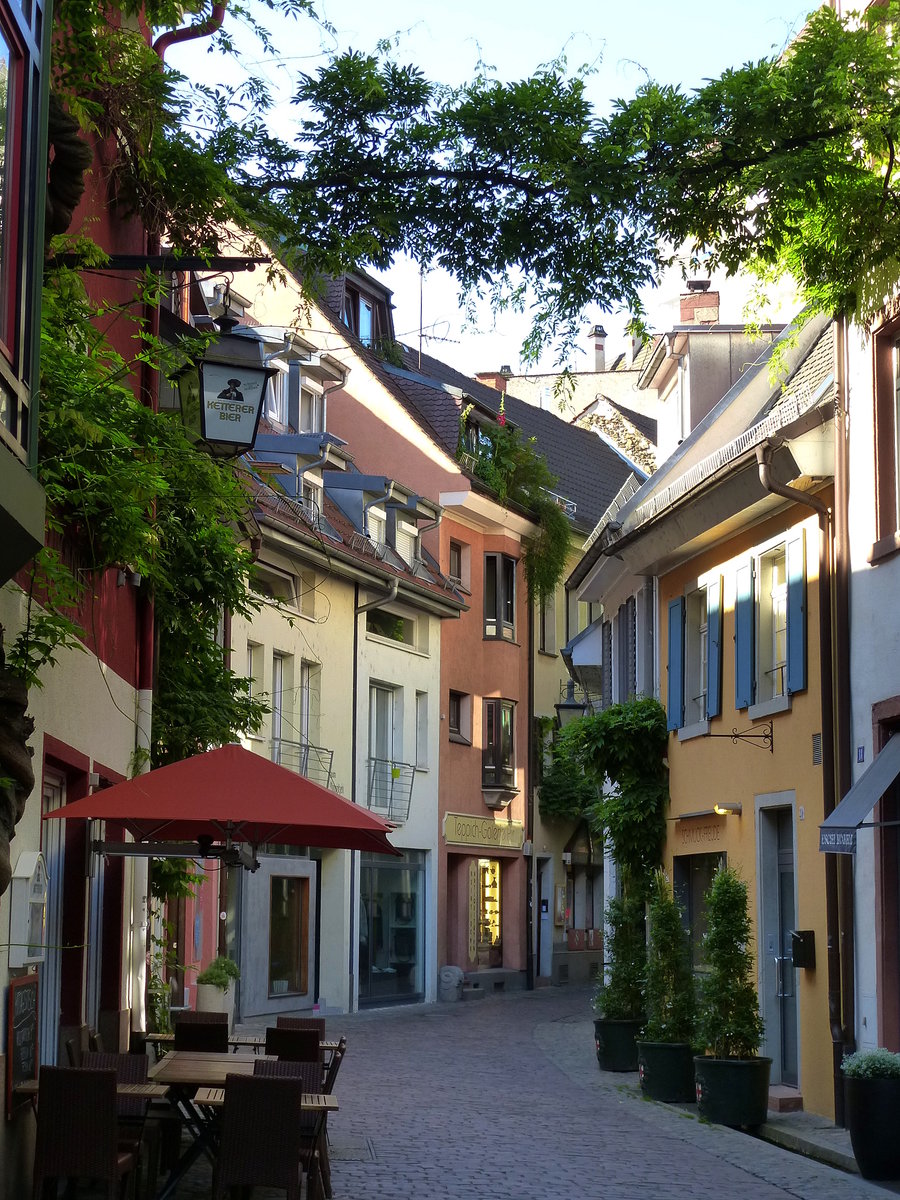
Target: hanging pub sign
[{"x": 223, "y": 394}]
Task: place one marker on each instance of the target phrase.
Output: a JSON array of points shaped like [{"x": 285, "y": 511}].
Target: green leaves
[
  {"x": 669, "y": 992},
  {"x": 625, "y": 745},
  {"x": 621, "y": 996},
  {"x": 729, "y": 1024}
]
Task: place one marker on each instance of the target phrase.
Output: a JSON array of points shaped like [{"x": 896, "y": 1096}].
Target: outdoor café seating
[
  {"x": 298, "y": 1045},
  {"x": 312, "y": 1125},
  {"x": 77, "y": 1131},
  {"x": 202, "y": 1031},
  {"x": 302, "y": 1023},
  {"x": 261, "y": 1140}
]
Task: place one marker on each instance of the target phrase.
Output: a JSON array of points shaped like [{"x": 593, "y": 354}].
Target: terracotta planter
[
  {"x": 872, "y": 1106},
  {"x": 616, "y": 1043},
  {"x": 733, "y": 1091},
  {"x": 666, "y": 1071}
]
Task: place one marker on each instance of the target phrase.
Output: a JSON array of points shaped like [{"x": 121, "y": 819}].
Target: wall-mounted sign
[
  {"x": 463, "y": 829},
  {"x": 21, "y": 1039}
]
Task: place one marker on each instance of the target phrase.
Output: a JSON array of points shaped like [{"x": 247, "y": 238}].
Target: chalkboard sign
[{"x": 21, "y": 1038}]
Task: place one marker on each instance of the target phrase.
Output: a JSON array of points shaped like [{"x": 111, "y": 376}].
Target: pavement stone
[{"x": 504, "y": 1099}]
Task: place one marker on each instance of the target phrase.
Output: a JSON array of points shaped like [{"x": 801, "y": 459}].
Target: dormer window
[
  {"x": 277, "y": 395},
  {"x": 312, "y": 410},
  {"x": 406, "y": 541},
  {"x": 376, "y": 527},
  {"x": 367, "y": 314}
]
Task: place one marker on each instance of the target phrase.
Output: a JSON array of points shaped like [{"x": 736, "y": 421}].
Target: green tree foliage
[
  {"x": 566, "y": 791},
  {"x": 669, "y": 992},
  {"x": 625, "y": 745},
  {"x": 128, "y": 487},
  {"x": 519, "y": 188},
  {"x": 621, "y": 996},
  {"x": 518, "y": 473},
  {"x": 729, "y": 1024}
]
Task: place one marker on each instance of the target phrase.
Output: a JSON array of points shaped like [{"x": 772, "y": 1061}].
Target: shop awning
[
  {"x": 837, "y": 833},
  {"x": 227, "y": 797}
]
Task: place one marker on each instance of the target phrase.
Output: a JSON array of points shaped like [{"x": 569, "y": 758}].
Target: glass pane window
[
  {"x": 6, "y": 72},
  {"x": 312, "y": 409},
  {"x": 499, "y": 596},
  {"x": 489, "y": 910},
  {"x": 454, "y": 566},
  {"x": 498, "y": 756},
  {"x": 696, "y": 656},
  {"x": 288, "y": 935},
  {"x": 772, "y": 624}
]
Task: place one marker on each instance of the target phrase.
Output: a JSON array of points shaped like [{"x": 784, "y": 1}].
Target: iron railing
[
  {"x": 390, "y": 788},
  {"x": 314, "y": 762}
]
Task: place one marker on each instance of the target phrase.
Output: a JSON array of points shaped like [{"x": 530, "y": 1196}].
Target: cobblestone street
[{"x": 502, "y": 1098}]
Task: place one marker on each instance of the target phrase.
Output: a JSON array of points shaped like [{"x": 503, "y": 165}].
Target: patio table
[{"x": 196, "y": 1081}]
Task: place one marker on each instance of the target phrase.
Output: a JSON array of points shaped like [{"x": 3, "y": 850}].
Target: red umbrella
[{"x": 231, "y": 795}]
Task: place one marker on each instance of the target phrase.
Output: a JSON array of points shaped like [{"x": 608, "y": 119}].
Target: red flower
[{"x": 501, "y": 419}]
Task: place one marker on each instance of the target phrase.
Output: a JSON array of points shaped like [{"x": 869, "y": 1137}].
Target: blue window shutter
[
  {"x": 675, "y": 703},
  {"x": 714, "y": 649},
  {"x": 744, "y": 655},
  {"x": 796, "y": 613}
]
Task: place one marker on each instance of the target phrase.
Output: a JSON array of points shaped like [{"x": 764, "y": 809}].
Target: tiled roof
[
  {"x": 434, "y": 393},
  {"x": 815, "y": 370},
  {"x": 337, "y": 535},
  {"x": 646, "y": 426}
]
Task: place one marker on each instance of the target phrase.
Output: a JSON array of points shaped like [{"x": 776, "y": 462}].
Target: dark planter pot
[
  {"x": 871, "y": 1108},
  {"x": 733, "y": 1091},
  {"x": 667, "y": 1071},
  {"x": 616, "y": 1043}
]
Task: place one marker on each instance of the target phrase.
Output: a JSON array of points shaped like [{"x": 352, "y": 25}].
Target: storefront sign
[
  {"x": 699, "y": 835},
  {"x": 461, "y": 829}
]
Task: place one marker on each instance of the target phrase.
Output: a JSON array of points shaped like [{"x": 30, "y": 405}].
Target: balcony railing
[
  {"x": 390, "y": 788},
  {"x": 312, "y": 761}
]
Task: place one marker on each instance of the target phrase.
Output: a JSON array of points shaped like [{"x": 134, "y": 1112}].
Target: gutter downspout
[
  {"x": 529, "y": 811},
  {"x": 371, "y": 504},
  {"x": 842, "y": 868},
  {"x": 379, "y": 600},
  {"x": 829, "y": 729}
]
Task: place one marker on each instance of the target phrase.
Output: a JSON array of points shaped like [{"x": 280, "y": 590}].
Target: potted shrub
[
  {"x": 214, "y": 990},
  {"x": 619, "y": 1000},
  {"x": 872, "y": 1095},
  {"x": 732, "y": 1081},
  {"x": 665, "y": 1050}
]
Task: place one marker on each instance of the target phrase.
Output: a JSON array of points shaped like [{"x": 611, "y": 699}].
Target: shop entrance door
[
  {"x": 778, "y": 917},
  {"x": 278, "y": 936},
  {"x": 391, "y": 930}
]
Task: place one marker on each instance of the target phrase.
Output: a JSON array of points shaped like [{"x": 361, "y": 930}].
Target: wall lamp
[{"x": 722, "y": 808}]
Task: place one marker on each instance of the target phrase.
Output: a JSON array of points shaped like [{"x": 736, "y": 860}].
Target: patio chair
[
  {"x": 298, "y": 1045},
  {"x": 208, "y": 1036},
  {"x": 76, "y": 1130},
  {"x": 134, "y": 1131},
  {"x": 73, "y": 1052},
  {"x": 335, "y": 1065},
  {"x": 313, "y": 1126},
  {"x": 261, "y": 1135},
  {"x": 189, "y": 1016},
  {"x": 302, "y": 1023}
]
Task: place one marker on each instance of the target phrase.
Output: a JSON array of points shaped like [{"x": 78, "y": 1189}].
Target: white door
[{"x": 278, "y": 930}]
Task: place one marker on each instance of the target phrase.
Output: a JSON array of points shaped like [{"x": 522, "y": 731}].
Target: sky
[{"x": 683, "y": 43}]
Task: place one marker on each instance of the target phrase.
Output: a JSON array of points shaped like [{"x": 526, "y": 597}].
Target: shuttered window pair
[{"x": 770, "y": 659}]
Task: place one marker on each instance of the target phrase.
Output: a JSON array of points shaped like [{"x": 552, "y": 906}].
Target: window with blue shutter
[
  {"x": 675, "y": 700},
  {"x": 744, "y": 623},
  {"x": 796, "y": 613},
  {"x": 714, "y": 651}
]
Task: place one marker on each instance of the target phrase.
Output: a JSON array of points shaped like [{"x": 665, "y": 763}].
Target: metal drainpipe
[
  {"x": 371, "y": 504},
  {"x": 379, "y": 600},
  {"x": 352, "y": 982},
  {"x": 827, "y": 696},
  {"x": 529, "y": 811},
  {"x": 844, "y": 865}
]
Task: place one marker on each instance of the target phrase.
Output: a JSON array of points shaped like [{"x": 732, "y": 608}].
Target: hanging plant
[
  {"x": 566, "y": 791},
  {"x": 625, "y": 745},
  {"x": 519, "y": 474}
]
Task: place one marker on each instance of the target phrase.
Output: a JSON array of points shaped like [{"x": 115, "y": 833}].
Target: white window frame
[
  {"x": 422, "y": 731},
  {"x": 771, "y": 623},
  {"x": 501, "y": 623},
  {"x": 277, "y": 394},
  {"x": 696, "y": 655},
  {"x": 312, "y": 399}
]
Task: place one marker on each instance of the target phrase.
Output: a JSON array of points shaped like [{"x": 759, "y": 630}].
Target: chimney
[
  {"x": 632, "y": 349},
  {"x": 598, "y": 333},
  {"x": 699, "y": 306}
]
